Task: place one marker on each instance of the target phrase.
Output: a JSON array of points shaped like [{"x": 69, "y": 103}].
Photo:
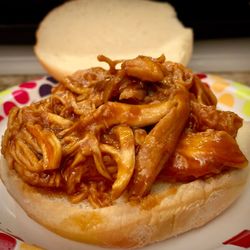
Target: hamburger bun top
[{"x": 73, "y": 34}]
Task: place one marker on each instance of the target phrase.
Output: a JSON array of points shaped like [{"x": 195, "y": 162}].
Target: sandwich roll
[
  {"x": 126, "y": 156},
  {"x": 171, "y": 209}
]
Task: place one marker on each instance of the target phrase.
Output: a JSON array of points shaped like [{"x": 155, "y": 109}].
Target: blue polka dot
[
  {"x": 44, "y": 90},
  {"x": 51, "y": 79}
]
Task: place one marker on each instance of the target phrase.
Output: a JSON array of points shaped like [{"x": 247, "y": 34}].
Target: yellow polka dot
[
  {"x": 246, "y": 108},
  {"x": 219, "y": 86},
  {"x": 227, "y": 99}
]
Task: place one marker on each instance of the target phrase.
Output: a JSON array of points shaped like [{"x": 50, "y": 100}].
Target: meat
[
  {"x": 204, "y": 117},
  {"x": 113, "y": 113},
  {"x": 50, "y": 149},
  {"x": 160, "y": 143},
  {"x": 124, "y": 157},
  {"x": 103, "y": 133},
  {"x": 143, "y": 68},
  {"x": 201, "y": 154},
  {"x": 203, "y": 93}
]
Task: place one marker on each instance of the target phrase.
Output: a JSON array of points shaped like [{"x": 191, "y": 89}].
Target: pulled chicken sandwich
[{"x": 106, "y": 138}]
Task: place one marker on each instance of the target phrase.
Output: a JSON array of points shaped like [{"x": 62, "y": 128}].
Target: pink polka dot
[
  {"x": 28, "y": 85},
  {"x": 7, "y": 106},
  {"x": 21, "y": 96}
]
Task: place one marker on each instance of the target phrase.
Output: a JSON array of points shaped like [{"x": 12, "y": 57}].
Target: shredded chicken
[
  {"x": 103, "y": 133},
  {"x": 205, "y": 117},
  {"x": 201, "y": 154}
]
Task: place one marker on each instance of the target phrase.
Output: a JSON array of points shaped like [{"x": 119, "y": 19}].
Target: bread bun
[
  {"x": 169, "y": 210},
  {"x": 73, "y": 34}
]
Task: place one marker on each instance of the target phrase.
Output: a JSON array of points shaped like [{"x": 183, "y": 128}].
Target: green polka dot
[
  {"x": 246, "y": 108},
  {"x": 241, "y": 91},
  {"x": 3, "y": 95}
]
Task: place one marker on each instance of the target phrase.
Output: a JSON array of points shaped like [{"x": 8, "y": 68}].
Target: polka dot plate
[
  {"x": 24, "y": 94},
  {"x": 234, "y": 221},
  {"x": 231, "y": 95}
]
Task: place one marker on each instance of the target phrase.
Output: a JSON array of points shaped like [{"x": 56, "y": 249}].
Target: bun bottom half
[{"x": 169, "y": 210}]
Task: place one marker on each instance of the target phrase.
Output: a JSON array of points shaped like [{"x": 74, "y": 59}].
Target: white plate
[{"x": 235, "y": 219}]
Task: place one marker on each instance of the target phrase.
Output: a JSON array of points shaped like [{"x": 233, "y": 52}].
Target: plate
[{"x": 13, "y": 220}]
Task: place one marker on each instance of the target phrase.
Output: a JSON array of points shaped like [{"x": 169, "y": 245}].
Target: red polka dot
[
  {"x": 28, "y": 85},
  {"x": 21, "y": 96},
  {"x": 201, "y": 75},
  {"x": 1, "y": 118},
  {"x": 7, "y": 106},
  {"x": 7, "y": 242}
]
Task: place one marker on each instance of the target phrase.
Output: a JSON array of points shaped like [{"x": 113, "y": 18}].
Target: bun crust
[
  {"x": 69, "y": 38},
  {"x": 169, "y": 210}
]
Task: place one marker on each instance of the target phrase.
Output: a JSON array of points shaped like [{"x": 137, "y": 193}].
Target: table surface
[{"x": 7, "y": 81}]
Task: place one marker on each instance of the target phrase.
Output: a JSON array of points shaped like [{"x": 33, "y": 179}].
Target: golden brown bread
[{"x": 169, "y": 210}]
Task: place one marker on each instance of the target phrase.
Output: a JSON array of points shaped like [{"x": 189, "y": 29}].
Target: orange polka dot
[
  {"x": 219, "y": 86},
  {"x": 227, "y": 99}
]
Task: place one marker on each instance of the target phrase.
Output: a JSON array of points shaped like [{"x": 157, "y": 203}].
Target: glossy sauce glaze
[{"x": 105, "y": 132}]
